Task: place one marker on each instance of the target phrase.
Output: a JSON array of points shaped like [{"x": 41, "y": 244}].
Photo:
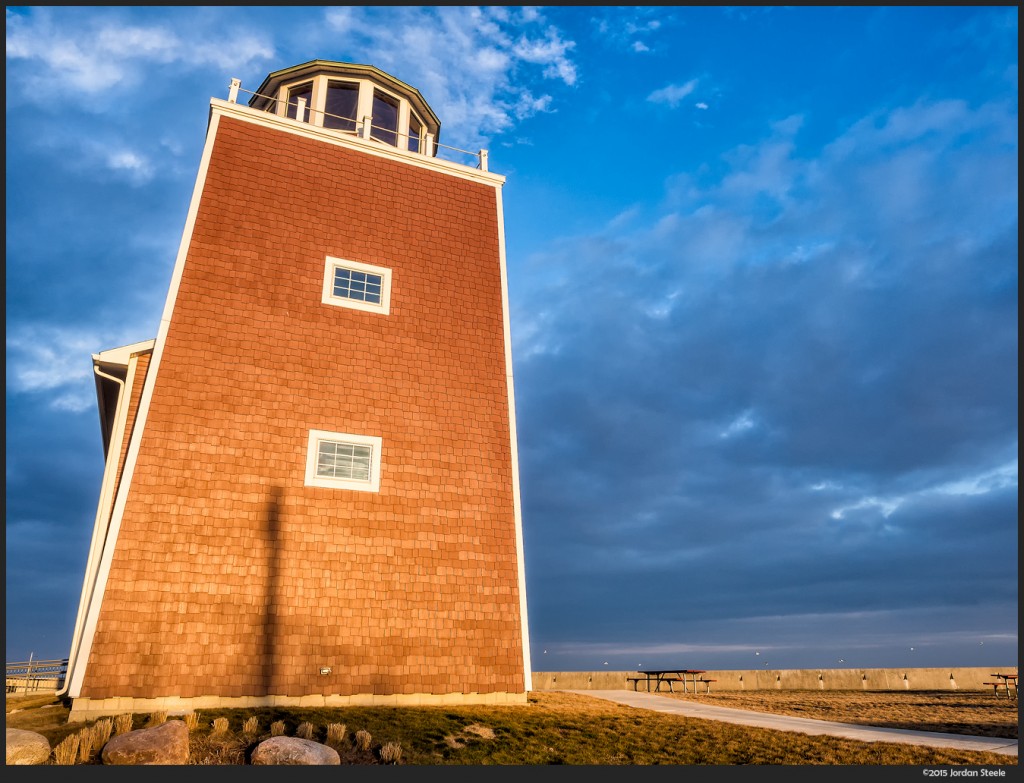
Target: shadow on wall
[{"x": 271, "y": 617}]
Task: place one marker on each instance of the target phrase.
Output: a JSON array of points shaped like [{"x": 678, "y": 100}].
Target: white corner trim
[
  {"x": 76, "y": 675},
  {"x": 329, "y": 298},
  {"x": 103, "y": 506},
  {"x": 313, "y": 480},
  {"x": 516, "y": 501}
]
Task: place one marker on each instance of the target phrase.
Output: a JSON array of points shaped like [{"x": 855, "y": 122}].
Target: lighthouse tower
[{"x": 311, "y": 486}]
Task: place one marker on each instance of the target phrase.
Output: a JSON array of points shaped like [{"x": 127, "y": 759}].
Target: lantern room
[{"x": 351, "y": 98}]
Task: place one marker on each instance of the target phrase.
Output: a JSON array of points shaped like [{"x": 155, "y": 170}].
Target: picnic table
[
  {"x": 668, "y": 677},
  {"x": 1003, "y": 681}
]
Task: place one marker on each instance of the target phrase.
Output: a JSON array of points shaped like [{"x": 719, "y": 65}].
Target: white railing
[
  {"x": 364, "y": 128},
  {"x": 34, "y": 675}
]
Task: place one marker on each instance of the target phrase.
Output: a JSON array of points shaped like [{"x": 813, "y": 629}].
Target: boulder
[
  {"x": 293, "y": 750},
  {"x": 163, "y": 744},
  {"x": 26, "y": 747}
]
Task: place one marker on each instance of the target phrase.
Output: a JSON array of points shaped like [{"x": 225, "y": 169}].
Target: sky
[{"x": 762, "y": 269}]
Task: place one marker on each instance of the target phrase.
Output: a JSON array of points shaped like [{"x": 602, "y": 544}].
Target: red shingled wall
[{"x": 232, "y": 578}]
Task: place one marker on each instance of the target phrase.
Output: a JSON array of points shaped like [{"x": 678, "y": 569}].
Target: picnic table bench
[
  {"x": 669, "y": 677},
  {"x": 1003, "y": 681},
  {"x": 707, "y": 682}
]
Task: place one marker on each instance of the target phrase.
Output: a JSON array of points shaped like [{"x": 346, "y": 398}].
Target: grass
[{"x": 564, "y": 728}]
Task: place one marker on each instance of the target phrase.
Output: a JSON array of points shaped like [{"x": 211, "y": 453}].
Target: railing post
[
  {"x": 233, "y": 92},
  {"x": 483, "y": 160},
  {"x": 364, "y": 130},
  {"x": 28, "y": 671},
  {"x": 300, "y": 109},
  {"x": 428, "y": 145}
]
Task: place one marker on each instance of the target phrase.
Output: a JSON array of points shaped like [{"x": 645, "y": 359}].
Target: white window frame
[
  {"x": 312, "y": 451},
  {"x": 329, "y": 298}
]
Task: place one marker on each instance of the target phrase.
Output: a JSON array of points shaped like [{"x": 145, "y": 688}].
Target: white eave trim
[
  {"x": 341, "y": 139},
  {"x": 120, "y": 356}
]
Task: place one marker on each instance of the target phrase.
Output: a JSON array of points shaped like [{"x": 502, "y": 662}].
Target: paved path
[{"x": 692, "y": 709}]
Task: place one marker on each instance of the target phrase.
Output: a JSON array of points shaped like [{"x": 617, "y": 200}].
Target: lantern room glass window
[
  {"x": 385, "y": 118},
  {"x": 415, "y": 129},
  {"x": 341, "y": 105},
  {"x": 301, "y": 91}
]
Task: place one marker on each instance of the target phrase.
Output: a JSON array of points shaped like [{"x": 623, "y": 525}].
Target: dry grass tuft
[
  {"x": 363, "y": 739},
  {"x": 336, "y": 734},
  {"x": 86, "y": 743},
  {"x": 66, "y": 753},
  {"x": 192, "y": 721},
  {"x": 101, "y": 732},
  {"x": 156, "y": 719},
  {"x": 123, "y": 723},
  {"x": 219, "y": 727},
  {"x": 277, "y": 728},
  {"x": 251, "y": 726},
  {"x": 390, "y": 752}
]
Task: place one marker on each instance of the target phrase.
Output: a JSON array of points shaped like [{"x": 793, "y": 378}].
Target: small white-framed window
[
  {"x": 343, "y": 461},
  {"x": 356, "y": 285}
]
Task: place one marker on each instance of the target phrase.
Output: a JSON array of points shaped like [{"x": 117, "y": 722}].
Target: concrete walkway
[{"x": 652, "y": 701}]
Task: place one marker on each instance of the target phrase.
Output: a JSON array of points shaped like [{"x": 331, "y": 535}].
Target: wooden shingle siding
[{"x": 230, "y": 576}]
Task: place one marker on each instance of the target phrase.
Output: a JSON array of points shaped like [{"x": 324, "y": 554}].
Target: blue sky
[{"x": 762, "y": 267}]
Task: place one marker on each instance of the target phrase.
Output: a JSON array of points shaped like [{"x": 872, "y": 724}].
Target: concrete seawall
[{"x": 952, "y": 679}]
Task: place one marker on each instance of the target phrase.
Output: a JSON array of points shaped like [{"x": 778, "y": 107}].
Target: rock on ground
[
  {"x": 163, "y": 744},
  {"x": 293, "y": 750},
  {"x": 26, "y": 747}
]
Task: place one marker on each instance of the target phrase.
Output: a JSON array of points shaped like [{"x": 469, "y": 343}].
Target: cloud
[
  {"x": 56, "y": 361},
  {"x": 551, "y": 52},
  {"x": 481, "y": 69},
  {"x": 76, "y": 53},
  {"x": 745, "y": 421},
  {"x": 139, "y": 168},
  {"x": 672, "y": 94},
  {"x": 994, "y": 480},
  {"x": 999, "y": 478},
  {"x": 484, "y": 70},
  {"x": 74, "y": 402},
  {"x": 860, "y": 639},
  {"x": 840, "y": 319},
  {"x": 885, "y": 507},
  {"x": 625, "y": 28}
]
